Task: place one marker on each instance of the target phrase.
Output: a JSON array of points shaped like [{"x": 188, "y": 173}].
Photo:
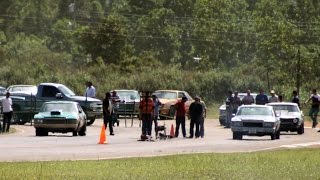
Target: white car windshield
[
  {"x": 253, "y": 111},
  {"x": 288, "y": 108},
  {"x": 66, "y": 91},
  {"x": 129, "y": 95},
  {"x": 58, "y": 107},
  {"x": 31, "y": 89},
  {"x": 166, "y": 95}
]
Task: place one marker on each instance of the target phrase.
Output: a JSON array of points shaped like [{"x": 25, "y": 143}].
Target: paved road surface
[{"x": 25, "y": 146}]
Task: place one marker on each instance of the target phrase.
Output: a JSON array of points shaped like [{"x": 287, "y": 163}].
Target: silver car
[
  {"x": 255, "y": 120},
  {"x": 291, "y": 118}
]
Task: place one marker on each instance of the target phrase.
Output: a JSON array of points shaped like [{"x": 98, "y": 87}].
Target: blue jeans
[{"x": 313, "y": 113}]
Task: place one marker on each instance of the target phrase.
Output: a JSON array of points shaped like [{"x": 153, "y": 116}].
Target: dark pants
[
  {"x": 182, "y": 121},
  {"x": 313, "y": 113},
  {"x": 202, "y": 127},
  {"x": 7, "y": 116},
  {"x": 194, "y": 122},
  {"x": 146, "y": 124},
  {"x": 108, "y": 120}
]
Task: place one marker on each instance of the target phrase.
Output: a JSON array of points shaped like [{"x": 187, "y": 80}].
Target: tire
[
  {"x": 301, "y": 129},
  {"x": 277, "y": 134},
  {"x": 75, "y": 133},
  {"x": 90, "y": 121},
  {"x": 83, "y": 130},
  {"x": 273, "y": 136},
  {"x": 237, "y": 136},
  {"x": 41, "y": 132}
]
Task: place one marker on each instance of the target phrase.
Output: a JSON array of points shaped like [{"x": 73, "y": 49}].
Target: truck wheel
[
  {"x": 41, "y": 132},
  {"x": 90, "y": 121},
  {"x": 237, "y": 136},
  {"x": 83, "y": 130},
  {"x": 301, "y": 129}
]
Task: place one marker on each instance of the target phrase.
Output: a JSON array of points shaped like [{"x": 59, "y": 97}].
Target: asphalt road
[{"x": 25, "y": 146}]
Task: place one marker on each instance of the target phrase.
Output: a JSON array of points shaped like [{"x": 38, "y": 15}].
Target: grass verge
[{"x": 284, "y": 164}]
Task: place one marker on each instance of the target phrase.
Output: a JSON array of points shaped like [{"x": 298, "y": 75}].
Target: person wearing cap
[
  {"x": 261, "y": 98},
  {"x": 195, "y": 114},
  {"x": 7, "y": 112},
  {"x": 274, "y": 97},
  {"x": 181, "y": 116},
  {"x": 115, "y": 99}
]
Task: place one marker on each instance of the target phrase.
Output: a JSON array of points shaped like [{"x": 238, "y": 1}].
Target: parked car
[
  {"x": 255, "y": 120},
  {"x": 25, "y": 105},
  {"x": 60, "y": 116},
  {"x": 169, "y": 98},
  {"x": 22, "y": 89},
  {"x": 129, "y": 102},
  {"x": 2, "y": 90},
  {"x": 291, "y": 118},
  {"x": 223, "y": 112}
]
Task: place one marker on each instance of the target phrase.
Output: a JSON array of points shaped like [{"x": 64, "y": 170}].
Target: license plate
[{"x": 252, "y": 131}]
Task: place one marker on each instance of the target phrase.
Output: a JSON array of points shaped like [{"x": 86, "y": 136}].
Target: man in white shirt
[
  {"x": 273, "y": 97},
  {"x": 7, "y": 112},
  {"x": 90, "y": 91}
]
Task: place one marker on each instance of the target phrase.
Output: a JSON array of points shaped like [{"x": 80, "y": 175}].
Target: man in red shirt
[
  {"x": 146, "y": 112},
  {"x": 181, "y": 116}
]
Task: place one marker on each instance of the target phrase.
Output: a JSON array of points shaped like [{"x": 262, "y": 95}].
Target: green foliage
[{"x": 284, "y": 164}]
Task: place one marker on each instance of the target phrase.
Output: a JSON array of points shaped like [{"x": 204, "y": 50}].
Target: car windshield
[
  {"x": 166, "y": 95},
  {"x": 287, "y": 108},
  {"x": 128, "y": 95},
  {"x": 66, "y": 107},
  {"x": 66, "y": 91},
  {"x": 31, "y": 89},
  {"x": 252, "y": 111}
]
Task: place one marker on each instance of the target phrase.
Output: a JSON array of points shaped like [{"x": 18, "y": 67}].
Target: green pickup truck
[{"x": 25, "y": 106}]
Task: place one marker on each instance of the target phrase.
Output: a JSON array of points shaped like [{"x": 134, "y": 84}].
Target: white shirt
[
  {"x": 7, "y": 105},
  {"x": 91, "y": 92}
]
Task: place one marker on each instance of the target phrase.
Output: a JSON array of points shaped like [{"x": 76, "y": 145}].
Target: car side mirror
[{"x": 59, "y": 96}]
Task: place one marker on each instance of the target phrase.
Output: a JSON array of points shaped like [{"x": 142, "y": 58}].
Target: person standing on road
[
  {"x": 229, "y": 109},
  {"x": 195, "y": 111},
  {"x": 236, "y": 102},
  {"x": 157, "y": 105},
  {"x": 273, "y": 97},
  {"x": 248, "y": 99},
  {"x": 204, "y": 115},
  {"x": 295, "y": 98},
  {"x": 7, "y": 112},
  {"x": 91, "y": 90},
  {"x": 146, "y": 112},
  {"x": 107, "y": 111},
  {"x": 115, "y": 99},
  {"x": 261, "y": 98},
  {"x": 313, "y": 113},
  {"x": 181, "y": 116}
]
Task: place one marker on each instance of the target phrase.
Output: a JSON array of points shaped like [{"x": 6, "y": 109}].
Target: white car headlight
[
  {"x": 39, "y": 121},
  {"x": 269, "y": 124},
  {"x": 236, "y": 123}
]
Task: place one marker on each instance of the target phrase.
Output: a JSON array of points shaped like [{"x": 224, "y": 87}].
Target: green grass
[{"x": 284, "y": 164}]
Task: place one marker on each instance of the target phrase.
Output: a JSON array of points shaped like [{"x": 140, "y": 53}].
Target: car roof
[
  {"x": 169, "y": 91},
  {"x": 283, "y": 103},
  {"x": 61, "y": 102},
  {"x": 255, "y": 105},
  {"x": 51, "y": 84},
  {"x": 119, "y": 90},
  {"x": 22, "y": 85}
]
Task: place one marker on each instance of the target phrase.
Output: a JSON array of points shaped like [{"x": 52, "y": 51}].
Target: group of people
[{"x": 149, "y": 112}]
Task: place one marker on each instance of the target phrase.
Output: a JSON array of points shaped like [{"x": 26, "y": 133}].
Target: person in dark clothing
[
  {"x": 146, "y": 113},
  {"x": 261, "y": 98},
  {"x": 195, "y": 112},
  {"x": 295, "y": 98},
  {"x": 181, "y": 116},
  {"x": 229, "y": 109},
  {"x": 313, "y": 113},
  {"x": 107, "y": 112}
]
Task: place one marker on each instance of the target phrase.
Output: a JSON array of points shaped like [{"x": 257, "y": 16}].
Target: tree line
[{"x": 204, "y": 47}]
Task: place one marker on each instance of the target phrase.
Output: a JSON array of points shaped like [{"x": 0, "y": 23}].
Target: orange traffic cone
[
  {"x": 103, "y": 137},
  {"x": 172, "y": 131}
]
